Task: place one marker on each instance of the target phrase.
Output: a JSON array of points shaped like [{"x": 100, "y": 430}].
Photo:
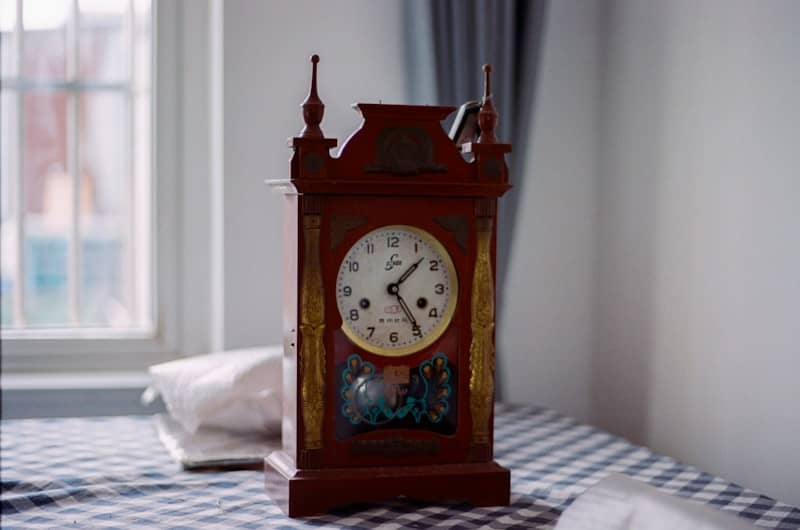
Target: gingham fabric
[{"x": 113, "y": 472}]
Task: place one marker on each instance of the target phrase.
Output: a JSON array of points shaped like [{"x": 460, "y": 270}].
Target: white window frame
[{"x": 180, "y": 77}]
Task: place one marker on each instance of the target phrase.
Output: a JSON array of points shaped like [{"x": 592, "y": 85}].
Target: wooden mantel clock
[{"x": 389, "y": 312}]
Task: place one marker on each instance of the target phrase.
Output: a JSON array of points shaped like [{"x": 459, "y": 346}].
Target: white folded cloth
[
  {"x": 237, "y": 390},
  {"x": 621, "y": 503},
  {"x": 214, "y": 448}
]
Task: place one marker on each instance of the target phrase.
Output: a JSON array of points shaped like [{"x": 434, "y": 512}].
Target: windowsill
[
  {"x": 71, "y": 381},
  {"x": 31, "y": 395},
  {"x": 141, "y": 332}
]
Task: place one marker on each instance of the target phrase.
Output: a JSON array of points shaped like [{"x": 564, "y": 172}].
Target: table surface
[{"x": 113, "y": 472}]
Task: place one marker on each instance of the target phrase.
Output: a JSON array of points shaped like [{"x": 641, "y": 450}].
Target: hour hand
[{"x": 411, "y": 269}]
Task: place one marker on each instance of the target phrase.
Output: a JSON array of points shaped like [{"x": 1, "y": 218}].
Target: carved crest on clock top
[
  {"x": 402, "y": 141},
  {"x": 399, "y": 150},
  {"x": 404, "y": 150}
]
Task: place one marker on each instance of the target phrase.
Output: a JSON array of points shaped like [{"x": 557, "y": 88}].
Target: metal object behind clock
[{"x": 465, "y": 126}]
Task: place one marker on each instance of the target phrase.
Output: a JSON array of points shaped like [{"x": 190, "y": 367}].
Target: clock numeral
[
  {"x": 438, "y": 288},
  {"x": 393, "y": 242},
  {"x": 371, "y": 331},
  {"x": 354, "y": 314},
  {"x": 352, "y": 266},
  {"x": 370, "y": 248},
  {"x": 417, "y": 331},
  {"x": 347, "y": 290},
  {"x": 393, "y": 337},
  {"x": 416, "y": 248},
  {"x": 433, "y": 313},
  {"x": 434, "y": 265}
]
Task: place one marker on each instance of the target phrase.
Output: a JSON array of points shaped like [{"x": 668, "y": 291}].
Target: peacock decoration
[{"x": 368, "y": 399}]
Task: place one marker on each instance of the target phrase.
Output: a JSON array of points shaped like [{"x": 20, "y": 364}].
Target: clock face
[{"x": 396, "y": 290}]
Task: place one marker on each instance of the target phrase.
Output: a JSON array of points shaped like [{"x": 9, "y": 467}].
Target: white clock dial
[{"x": 396, "y": 290}]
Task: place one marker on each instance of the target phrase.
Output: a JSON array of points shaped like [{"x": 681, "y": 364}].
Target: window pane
[
  {"x": 105, "y": 286},
  {"x": 48, "y": 208},
  {"x": 8, "y": 149},
  {"x": 8, "y": 190},
  {"x": 45, "y": 39},
  {"x": 8, "y": 52},
  {"x": 104, "y": 51}
]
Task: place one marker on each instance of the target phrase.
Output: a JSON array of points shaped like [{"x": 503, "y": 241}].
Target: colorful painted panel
[{"x": 398, "y": 397}]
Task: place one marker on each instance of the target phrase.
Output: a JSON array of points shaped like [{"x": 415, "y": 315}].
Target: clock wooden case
[{"x": 389, "y": 311}]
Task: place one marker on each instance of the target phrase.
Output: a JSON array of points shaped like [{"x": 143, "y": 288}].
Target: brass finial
[
  {"x": 313, "y": 108},
  {"x": 487, "y": 117}
]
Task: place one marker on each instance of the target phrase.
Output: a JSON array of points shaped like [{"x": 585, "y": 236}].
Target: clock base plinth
[{"x": 305, "y": 492}]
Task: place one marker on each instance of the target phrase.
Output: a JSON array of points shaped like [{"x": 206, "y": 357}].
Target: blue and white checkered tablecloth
[{"x": 113, "y": 472}]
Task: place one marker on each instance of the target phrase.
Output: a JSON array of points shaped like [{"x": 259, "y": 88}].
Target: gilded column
[
  {"x": 481, "y": 351},
  {"x": 312, "y": 329}
]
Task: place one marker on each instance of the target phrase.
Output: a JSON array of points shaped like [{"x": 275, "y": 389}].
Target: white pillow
[{"x": 237, "y": 390}]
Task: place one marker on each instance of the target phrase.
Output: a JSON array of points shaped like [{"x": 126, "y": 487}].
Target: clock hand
[
  {"x": 394, "y": 289},
  {"x": 407, "y": 311},
  {"x": 411, "y": 269}
]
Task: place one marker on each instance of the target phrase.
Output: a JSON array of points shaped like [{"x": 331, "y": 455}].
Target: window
[
  {"x": 75, "y": 127},
  {"x": 112, "y": 184}
]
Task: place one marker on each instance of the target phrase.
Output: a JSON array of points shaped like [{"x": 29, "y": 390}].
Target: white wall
[
  {"x": 267, "y": 73},
  {"x": 698, "y": 276},
  {"x": 544, "y": 337},
  {"x": 654, "y": 286}
]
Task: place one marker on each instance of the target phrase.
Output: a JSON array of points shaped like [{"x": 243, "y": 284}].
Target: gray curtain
[{"x": 447, "y": 43}]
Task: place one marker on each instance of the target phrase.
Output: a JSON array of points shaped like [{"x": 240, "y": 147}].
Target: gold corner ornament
[
  {"x": 312, "y": 328},
  {"x": 481, "y": 350}
]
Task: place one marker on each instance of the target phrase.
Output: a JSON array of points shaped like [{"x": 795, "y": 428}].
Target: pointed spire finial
[
  {"x": 313, "y": 108},
  {"x": 487, "y": 117}
]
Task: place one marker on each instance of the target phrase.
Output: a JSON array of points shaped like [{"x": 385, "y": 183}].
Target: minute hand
[
  {"x": 411, "y": 269},
  {"x": 407, "y": 311}
]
